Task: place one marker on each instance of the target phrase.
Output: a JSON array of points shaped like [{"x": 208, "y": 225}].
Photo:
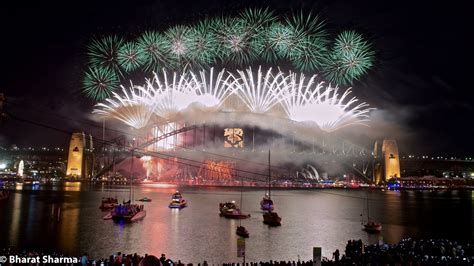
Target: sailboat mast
[
  {"x": 241, "y": 197},
  {"x": 269, "y": 192},
  {"x": 368, "y": 216}
]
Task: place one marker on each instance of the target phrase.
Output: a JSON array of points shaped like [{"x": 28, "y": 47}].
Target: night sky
[{"x": 420, "y": 84}]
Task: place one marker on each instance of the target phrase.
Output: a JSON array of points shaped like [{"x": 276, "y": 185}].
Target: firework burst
[
  {"x": 350, "y": 58},
  {"x": 131, "y": 56},
  {"x": 99, "y": 83},
  {"x": 307, "y": 100},
  {"x": 103, "y": 52},
  {"x": 171, "y": 93},
  {"x": 154, "y": 48},
  {"x": 259, "y": 92},
  {"x": 204, "y": 45},
  {"x": 211, "y": 90},
  {"x": 133, "y": 107},
  {"x": 303, "y": 99},
  {"x": 253, "y": 36},
  {"x": 179, "y": 40}
]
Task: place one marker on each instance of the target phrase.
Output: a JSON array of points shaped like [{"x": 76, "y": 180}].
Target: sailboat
[
  {"x": 109, "y": 203},
  {"x": 269, "y": 217},
  {"x": 266, "y": 204},
  {"x": 241, "y": 230},
  {"x": 371, "y": 226},
  {"x": 127, "y": 212}
]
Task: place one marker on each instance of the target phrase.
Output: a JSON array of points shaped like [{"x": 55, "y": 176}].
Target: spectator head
[{"x": 150, "y": 261}]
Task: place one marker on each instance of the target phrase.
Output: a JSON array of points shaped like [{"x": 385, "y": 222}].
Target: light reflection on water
[{"x": 326, "y": 218}]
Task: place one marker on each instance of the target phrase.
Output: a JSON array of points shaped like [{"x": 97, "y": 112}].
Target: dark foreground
[{"x": 406, "y": 252}]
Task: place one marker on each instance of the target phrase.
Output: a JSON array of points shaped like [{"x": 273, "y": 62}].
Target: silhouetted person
[
  {"x": 336, "y": 255},
  {"x": 150, "y": 261},
  {"x": 163, "y": 259}
]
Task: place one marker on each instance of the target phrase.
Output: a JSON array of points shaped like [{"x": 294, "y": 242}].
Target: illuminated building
[{"x": 386, "y": 161}]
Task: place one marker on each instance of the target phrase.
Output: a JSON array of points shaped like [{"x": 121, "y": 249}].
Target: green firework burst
[
  {"x": 155, "y": 48},
  {"x": 130, "y": 56},
  {"x": 235, "y": 37},
  {"x": 351, "y": 58},
  {"x": 103, "y": 52},
  {"x": 281, "y": 39},
  {"x": 257, "y": 18},
  {"x": 203, "y": 46},
  {"x": 309, "y": 40},
  {"x": 309, "y": 55},
  {"x": 99, "y": 83},
  {"x": 179, "y": 40}
]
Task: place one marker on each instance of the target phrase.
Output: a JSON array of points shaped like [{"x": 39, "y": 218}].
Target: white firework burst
[
  {"x": 211, "y": 90},
  {"x": 259, "y": 92},
  {"x": 312, "y": 101},
  {"x": 171, "y": 93},
  {"x": 133, "y": 107},
  {"x": 301, "y": 98}
]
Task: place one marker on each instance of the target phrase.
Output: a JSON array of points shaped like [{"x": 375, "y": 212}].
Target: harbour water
[{"x": 325, "y": 218}]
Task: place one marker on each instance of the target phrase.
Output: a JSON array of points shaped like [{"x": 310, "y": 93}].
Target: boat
[
  {"x": 266, "y": 204},
  {"x": 270, "y": 217},
  {"x": 145, "y": 199},
  {"x": 232, "y": 211},
  {"x": 371, "y": 226},
  {"x": 177, "y": 201},
  {"x": 108, "y": 216},
  {"x": 108, "y": 203},
  {"x": 128, "y": 213},
  {"x": 4, "y": 195},
  {"x": 242, "y": 231}
]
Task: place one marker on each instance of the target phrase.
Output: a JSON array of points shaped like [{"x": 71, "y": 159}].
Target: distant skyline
[{"x": 419, "y": 85}]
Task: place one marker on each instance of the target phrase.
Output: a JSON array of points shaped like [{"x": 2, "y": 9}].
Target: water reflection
[
  {"x": 15, "y": 222},
  {"x": 197, "y": 233},
  {"x": 72, "y": 186}
]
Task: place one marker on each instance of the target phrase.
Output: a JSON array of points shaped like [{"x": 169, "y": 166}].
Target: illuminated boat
[
  {"x": 232, "y": 211},
  {"x": 128, "y": 213},
  {"x": 177, "y": 201},
  {"x": 267, "y": 203},
  {"x": 271, "y": 218},
  {"x": 242, "y": 231},
  {"x": 108, "y": 203}
]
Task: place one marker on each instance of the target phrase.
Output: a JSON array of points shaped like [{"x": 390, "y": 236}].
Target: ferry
[{"x": 177, "y": 201}]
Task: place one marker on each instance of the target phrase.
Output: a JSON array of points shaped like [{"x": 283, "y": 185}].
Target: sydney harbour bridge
[{"x": 199, "y": 152}]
